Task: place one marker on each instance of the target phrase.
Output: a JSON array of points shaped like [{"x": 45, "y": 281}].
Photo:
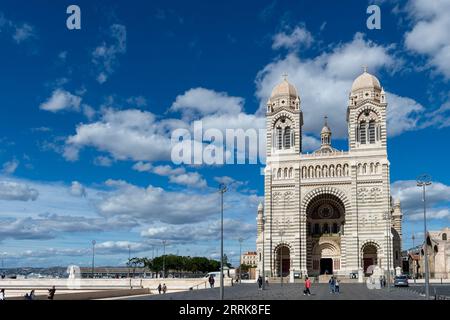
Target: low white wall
[{"x": 107, "y": 284}]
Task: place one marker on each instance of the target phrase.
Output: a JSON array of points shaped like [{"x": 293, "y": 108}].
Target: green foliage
[{"x": 177, "y": 263}]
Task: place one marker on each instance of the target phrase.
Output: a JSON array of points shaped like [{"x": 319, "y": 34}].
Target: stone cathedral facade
[{"x": 329, "y": 211}]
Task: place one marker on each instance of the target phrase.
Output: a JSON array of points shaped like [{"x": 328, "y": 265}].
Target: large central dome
[{"x": 366, "y": 81}]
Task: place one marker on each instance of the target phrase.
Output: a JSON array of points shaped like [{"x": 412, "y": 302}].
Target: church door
[{"x": 326, "y": 266}]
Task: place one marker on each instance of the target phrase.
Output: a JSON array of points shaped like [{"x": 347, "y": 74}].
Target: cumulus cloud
[
  {"x": 61, "y": 100},
  {"x": 10, "y": 190},
  {"x": 294, "y": 40},
  {"x": 204, "y": 231},
  {"x": 105, "y": 56},
  {"x": 103, "y": 161},
  {"x": 324, "y": 83},
  {"x": 205, "y": 102},
  {"x": 77, "y": 189},
  {"x": 176, "y": 175},
  {"x": 429, "y": 33},
  {"x": 410, "y": 195},
  {"x": 49, "y": 226},
  {"x": 153, "y": 203},
  {"x": 125, "y": 134}
]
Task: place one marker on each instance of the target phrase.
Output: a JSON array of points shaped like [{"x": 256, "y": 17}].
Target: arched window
[
  {"x": 325, "y": 228},
  {"x": 279, "y": 145},
  {"x": 279, "y": 174},
  {"x": 285, "y": 173},
  {"x": 362, "y": 132},
  {"x": 444, "y": 236},
  {"x": 372, "y": 131},
  {"x": 287, "y": 138},
  {"x": 290, "y": 173}
]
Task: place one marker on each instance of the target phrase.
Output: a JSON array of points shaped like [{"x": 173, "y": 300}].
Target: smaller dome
[
  {"x": 325, "y": 129},
  {"x": 284, "y": 89},
  {"x": 366, "y": 81}
]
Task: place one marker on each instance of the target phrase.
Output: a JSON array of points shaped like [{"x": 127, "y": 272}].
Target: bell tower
[
  {"x": 284, "y": 121},
  {"x": 366, "y": 114}
]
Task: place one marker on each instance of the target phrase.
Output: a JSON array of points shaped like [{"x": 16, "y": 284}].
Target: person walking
[
  {"x": 159, "y": 288},
  {"x": 260, "y": 282},
  {"x": 51, "y": 293},
  {"x": 336, "y": 286},
  {"x": 211, "y": 281},
  {"x": 2, "y": 294},
  {"x": 307, "y": 287},
  {"x": 332, "y": 283},
  {"x": 164, "y": 288}
]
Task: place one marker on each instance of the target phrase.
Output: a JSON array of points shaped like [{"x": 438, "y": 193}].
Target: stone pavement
[{"x": 288, "y": 292}]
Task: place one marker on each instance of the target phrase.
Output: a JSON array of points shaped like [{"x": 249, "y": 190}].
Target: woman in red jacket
[{"x": 307, "y": 287}]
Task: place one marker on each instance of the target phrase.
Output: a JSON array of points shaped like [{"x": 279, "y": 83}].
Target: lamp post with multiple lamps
[
  {"x": 240, "y": 259},
  {"x": 263, "y": 235},
  {"x": 222, "y": 190},
  {"x": 164, "y": 258},
  {"x": 129, "y": 258},
  {"x": 387, "y": 216},
  {"x": 93, "y": 256},
  {"x": 424, "y": 181}
]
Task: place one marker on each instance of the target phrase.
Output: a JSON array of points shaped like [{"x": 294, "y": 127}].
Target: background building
[
  {"x": 250, "y": 258},
  {"x": 438, "y": 247}
]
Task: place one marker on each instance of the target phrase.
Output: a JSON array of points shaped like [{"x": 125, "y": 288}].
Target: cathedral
[{"x": 329, "y": 211}]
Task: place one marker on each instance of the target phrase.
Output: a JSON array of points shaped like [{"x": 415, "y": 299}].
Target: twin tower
[{"x": 329, "y": 211}]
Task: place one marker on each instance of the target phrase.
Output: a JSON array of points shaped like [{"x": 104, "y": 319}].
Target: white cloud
[
  {"x": 10, "y": 167},
  {"x": 298, "y": 37},
  {"x": 206, "y": 102},
  {"x": 204, "y": 231},
  {"x": 105, "y": 56},
  {"x": 324, "y": 83},
  {"x": 403, "y": 114},
  {"x": 176, "y": 175},
  {"x": 429, "y": 33},
  {"x": 10, "y": 190},
  {"x": 153, "y": 203},
  {"x": 127, "y": 134},
  {"x": 410, "y": 195},
  {"x": 61, "y": 100},
  {"x": 103, "y": 161},
  {"x": 77, "y": 189}
]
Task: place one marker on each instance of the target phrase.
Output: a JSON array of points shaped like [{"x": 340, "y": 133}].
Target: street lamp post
[
  {"x": 222, "y": 190},
  {"x": 263, "y": 235},
  {"x": 164, "y": 258},
  {"x": 240, "y": 259},
  {"x": 93, "y": 257},
  {"x": 423, "y": 181},
  {"x": 388, "y": 251},
  {"x": 129, "y": 258}
]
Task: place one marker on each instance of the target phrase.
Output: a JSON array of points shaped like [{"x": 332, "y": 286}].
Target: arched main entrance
[
  {"x": 283, "y": 260},
  {"x": 324, "y": 227},
  {"x": 369, "y": 256},
  {"x": 326, "y": 258}
]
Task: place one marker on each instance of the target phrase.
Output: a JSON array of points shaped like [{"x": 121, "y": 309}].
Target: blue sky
[{"x": 87, "y": 115}]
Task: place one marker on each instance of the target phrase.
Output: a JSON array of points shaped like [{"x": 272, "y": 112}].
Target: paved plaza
[{"x": 289, "y": 292}]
